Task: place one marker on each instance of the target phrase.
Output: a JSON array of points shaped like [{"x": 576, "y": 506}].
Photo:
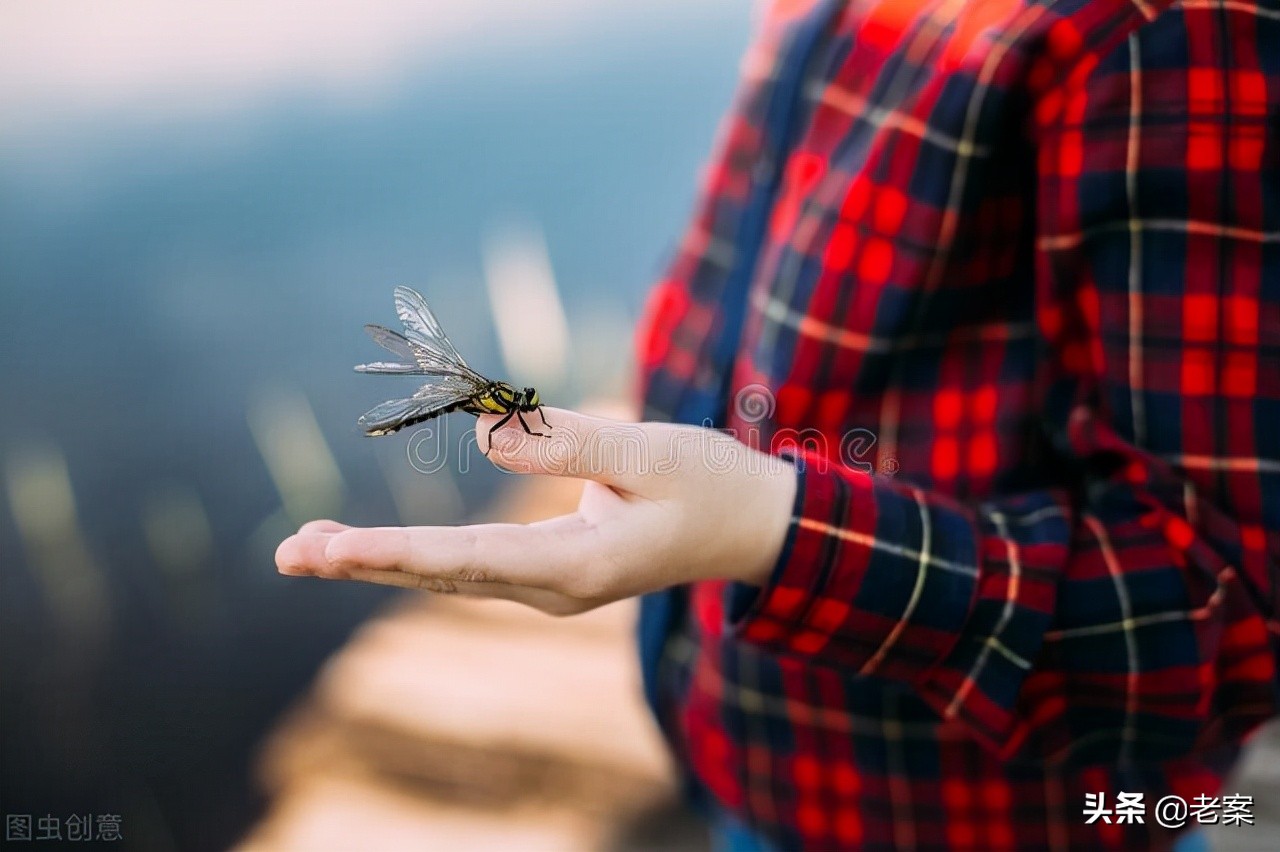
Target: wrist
[{"x": 767, "y": 522}]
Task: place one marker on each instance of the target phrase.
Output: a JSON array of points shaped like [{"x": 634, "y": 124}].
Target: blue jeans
[{"x": 730, "y": 834}]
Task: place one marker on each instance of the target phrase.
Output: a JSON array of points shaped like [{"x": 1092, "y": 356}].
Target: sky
[{"x": 68, "y": 59}]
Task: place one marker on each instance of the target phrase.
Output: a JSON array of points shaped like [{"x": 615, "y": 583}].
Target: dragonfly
[{"x": 424, "y": 350}]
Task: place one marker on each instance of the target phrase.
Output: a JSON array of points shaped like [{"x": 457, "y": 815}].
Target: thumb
[{"x": 611, "y": 452}]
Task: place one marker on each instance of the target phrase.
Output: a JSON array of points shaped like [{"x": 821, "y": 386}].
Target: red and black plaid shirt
[{"x": 1004, "y": 275}]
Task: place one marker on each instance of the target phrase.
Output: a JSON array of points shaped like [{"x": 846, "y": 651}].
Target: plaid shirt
[{"x": 1004, "y": 277}]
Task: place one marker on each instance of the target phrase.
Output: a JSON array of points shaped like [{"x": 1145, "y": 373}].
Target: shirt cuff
[{"x": 857, "y": 584}]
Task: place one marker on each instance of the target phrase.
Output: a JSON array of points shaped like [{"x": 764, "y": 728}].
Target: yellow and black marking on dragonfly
[{"x": 424, "y": 350}]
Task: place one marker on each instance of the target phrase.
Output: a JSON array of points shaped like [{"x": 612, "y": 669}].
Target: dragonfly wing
[
  {"x": 390, "y": 367},
  {"x": 430, "y": 401},
  {"x": 431, "y": 347},
  {"x": 415, "y": 359},
  {"x": 392, "y": 341}
]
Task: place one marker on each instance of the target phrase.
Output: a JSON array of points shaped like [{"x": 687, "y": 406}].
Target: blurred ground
[{"x": 465, "y": 725}]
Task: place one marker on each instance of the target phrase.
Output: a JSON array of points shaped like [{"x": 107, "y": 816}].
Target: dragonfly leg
[
  {"x": 495, "y": 427},
  {"x": 544, "y": 417},
  {"x": 527, "y": 430}
]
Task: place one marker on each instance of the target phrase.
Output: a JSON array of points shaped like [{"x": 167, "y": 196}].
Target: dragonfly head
[{"x": 529, "y": 400}]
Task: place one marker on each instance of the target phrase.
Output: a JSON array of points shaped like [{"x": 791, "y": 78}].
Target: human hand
[{"x": 662, "y": 505}]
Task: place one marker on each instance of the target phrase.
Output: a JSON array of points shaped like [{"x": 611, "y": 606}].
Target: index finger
[{"x": 612, "y": 452}]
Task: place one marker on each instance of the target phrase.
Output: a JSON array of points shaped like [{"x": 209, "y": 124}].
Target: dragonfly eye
[{"x": 531, "y": 398}]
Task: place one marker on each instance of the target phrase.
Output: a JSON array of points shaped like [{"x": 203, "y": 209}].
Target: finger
[
  {"x": 534, "y": 555},
  {"x": 554, "y": 603},
  {"x": 612, "y": 452},
  {"x": 303, "y": 554}
]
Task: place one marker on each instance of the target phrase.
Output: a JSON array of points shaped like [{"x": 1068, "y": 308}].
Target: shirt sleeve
[{"x": 1131, "y": 613}]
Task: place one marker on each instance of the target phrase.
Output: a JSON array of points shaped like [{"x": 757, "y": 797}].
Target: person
[{"x": 957, "y": 505}]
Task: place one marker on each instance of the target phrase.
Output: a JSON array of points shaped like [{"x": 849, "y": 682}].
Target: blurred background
[{"x": 199, "y": 208}]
